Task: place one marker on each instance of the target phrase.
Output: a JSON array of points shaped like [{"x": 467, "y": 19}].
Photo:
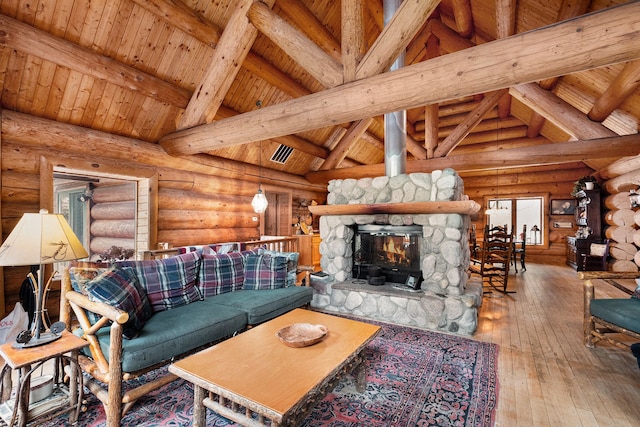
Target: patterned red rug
[{"x": 414, "y": 377}]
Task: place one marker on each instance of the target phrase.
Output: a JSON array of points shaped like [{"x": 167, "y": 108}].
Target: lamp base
[{"x": 45, "y": 338}]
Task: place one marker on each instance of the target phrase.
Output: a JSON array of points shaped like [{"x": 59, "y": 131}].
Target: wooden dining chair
[
  {"x": 496, "y": 258},
  {"x": 520, "y": 250}
]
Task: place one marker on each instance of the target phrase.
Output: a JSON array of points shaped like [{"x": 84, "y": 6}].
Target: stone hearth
[{"x": 447, "y": 301}]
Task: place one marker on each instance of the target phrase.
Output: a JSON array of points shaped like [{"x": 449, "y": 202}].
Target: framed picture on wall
[{"x": 563, "y": 207}]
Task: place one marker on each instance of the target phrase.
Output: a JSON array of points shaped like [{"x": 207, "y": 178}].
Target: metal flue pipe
[{"x": 395, "y": 123}]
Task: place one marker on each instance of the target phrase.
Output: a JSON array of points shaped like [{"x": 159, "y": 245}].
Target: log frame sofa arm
[{"x": 593, "y": 334}]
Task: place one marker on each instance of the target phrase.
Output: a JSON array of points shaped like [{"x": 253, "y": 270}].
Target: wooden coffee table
[{"x": 253, "y": 377}]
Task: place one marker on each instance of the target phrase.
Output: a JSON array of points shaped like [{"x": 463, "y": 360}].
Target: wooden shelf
[{"x": 459, "y": 207}]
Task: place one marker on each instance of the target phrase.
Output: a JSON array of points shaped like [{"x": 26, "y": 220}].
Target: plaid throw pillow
[
  {"x": 636, "y": 293},
  {"x": 292, "y": 264},
  {"x": 221, "y": 273},
  {"x": 265, "y": 272},
  {"x": 168, "y": 282},
  {"x": 82, "y": 274},
  {"x": 119, "y": 288}
]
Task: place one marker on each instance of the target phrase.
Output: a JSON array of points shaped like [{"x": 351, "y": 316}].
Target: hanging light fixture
[
  {"x": 496, "y": 207},
  {"x": 259, "y": 202}
]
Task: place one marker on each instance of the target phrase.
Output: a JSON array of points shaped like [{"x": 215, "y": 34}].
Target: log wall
[
  {"x": 533, "y": 181},
  {"x": 199, "y": 200},
  {"x": 621, "y": 218}
]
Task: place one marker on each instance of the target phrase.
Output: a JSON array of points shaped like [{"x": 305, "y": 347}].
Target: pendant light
[{"x": 259, "y": 202}]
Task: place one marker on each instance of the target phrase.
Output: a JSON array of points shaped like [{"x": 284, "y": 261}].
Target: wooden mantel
[{"x": 460, "y": 207}]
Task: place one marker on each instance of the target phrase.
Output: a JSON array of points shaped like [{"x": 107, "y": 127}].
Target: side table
[{"x": 26, "y": 361}]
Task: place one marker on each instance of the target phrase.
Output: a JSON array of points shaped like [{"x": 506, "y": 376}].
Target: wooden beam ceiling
[{"x": 579, "y": 44}]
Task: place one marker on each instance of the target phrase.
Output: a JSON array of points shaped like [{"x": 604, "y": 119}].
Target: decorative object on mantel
[
  {"x": 302, "y": 334},
  {"x": 461, "y": 207},
  {"x": 39, "y": 239}
]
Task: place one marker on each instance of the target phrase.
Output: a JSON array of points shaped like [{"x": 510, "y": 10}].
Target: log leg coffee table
[{"x": 253, "y": 377}]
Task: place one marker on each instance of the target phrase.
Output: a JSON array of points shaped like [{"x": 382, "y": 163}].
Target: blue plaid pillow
[
  {"x": 82, "y": 273},
  {"x": 221, "y": 273},
  {"x": 119, "y": 288},
  {"x": 636, "y": 293},
  {"x": 292, "y": 264},
  {"x": 169, "y": 282},
  {"x": 265, "y": 272}
]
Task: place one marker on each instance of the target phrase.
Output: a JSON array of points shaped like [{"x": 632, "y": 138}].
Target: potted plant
[{"x": 585, "y": 183}]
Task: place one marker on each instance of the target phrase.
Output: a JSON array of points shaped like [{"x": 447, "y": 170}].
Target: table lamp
[{"x": 39, "y": 239}]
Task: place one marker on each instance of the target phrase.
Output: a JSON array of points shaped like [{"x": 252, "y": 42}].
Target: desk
[{"x": 26, "y": 361}]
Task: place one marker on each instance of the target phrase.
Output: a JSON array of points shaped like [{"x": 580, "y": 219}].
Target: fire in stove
[{"x": 394, "y": 250}]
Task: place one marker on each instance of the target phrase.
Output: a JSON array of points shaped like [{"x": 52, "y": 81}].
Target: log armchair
[{"x": 606, "y": 318}]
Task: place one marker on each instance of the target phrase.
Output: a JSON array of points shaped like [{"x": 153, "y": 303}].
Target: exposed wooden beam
[
  {"x": 463, "y": 17},
  {"x": 312, "y": 27},
  {"x": 185, "y": 18},
  {"x": 472, "y": 119},
  {"x": 298, "y": 46},
  {"x": 583, "y": 43},
  {"x": 415, "y": 148},
  {"x": 561, "y": 113},
  {"x": 352, "y": 37},
  {"x": 395, "y": 37},
  {"x": 568, "y": 9},
  {"x": 622, "y": 87},
  {"x": 233, "y": 46},
  {"x": 558, "y": 153},
  {"x": 346, "y": 142},
  {"x": 505, "y": 18},
  {"x": 39, "y": 43}
]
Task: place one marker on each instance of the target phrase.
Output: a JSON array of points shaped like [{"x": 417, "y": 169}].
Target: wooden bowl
[{"x": 302, "y": 334}]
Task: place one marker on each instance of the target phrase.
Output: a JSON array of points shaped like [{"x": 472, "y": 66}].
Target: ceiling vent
[{"x": 281, "y": 155}]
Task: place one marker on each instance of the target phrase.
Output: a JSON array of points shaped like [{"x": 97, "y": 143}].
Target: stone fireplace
[{"x": 355, "y": 236}]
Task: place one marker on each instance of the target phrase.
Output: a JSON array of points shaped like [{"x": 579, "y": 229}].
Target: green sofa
[{"x": 138, "y": 315}]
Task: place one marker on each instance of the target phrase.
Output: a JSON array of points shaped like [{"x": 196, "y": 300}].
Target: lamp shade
[
  {"x": 41, "y": 238},
  {"x": 259, "y": 202}
]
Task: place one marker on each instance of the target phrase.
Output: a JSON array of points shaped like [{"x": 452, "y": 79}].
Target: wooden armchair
[
  {"x": 102, "y": 369},
  {"x": 496, "y": 256},
  {"x": 610, "y": 319}
]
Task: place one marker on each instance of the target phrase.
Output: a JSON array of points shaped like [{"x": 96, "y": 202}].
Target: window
[{"x": 521, "y": 211}]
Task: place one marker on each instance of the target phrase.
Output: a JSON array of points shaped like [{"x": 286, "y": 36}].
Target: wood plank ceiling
[{"x": 214, "y": 77}]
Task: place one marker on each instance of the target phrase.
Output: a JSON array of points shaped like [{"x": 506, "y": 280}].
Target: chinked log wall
[
  {"x": 113, "y": 217},
  {"x": 623, "y": 221},
  {"x": 199, "y": 200}
]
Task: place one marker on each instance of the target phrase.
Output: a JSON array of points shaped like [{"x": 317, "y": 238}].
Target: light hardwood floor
[{"x": 547, "y": 376}]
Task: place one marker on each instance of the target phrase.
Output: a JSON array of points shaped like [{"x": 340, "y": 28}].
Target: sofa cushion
[
  {"x": 82, "y": 273},
  {"x": 263, "y": 305},
  {"x": 173, "y": 332},
  {"x": 221, "y": 273},
  {"x": 624, "y": 312},
  {"x": 120, "y": 288},
  {"x": 636, "y": 292},
  {"x": 292, "y": 264},
  {"x": 264, "y": 272},
  {"x": 169, "y": 282}
]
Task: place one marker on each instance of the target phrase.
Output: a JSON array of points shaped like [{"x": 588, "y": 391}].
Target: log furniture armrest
[{"x": 597, "y": 324}]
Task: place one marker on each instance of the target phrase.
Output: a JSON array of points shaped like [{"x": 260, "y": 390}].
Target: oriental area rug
[{"x": 414, "y": 378}]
